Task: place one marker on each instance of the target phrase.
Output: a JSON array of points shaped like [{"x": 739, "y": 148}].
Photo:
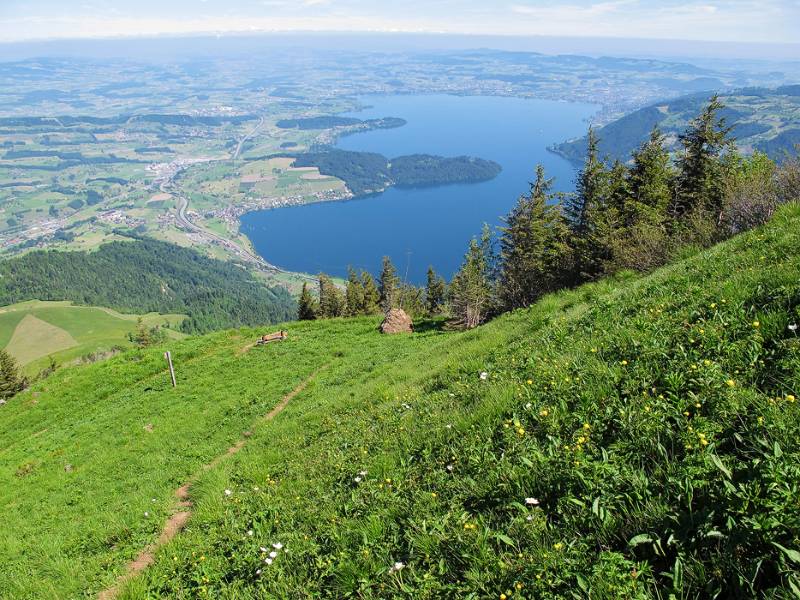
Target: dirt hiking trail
[{"x": 183, "y": 504}]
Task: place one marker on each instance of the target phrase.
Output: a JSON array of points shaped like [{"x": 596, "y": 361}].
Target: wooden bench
[{"x": 272, "y": 337}]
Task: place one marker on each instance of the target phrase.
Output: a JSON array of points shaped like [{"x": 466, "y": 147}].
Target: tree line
[{"x": 635, "y": 216}]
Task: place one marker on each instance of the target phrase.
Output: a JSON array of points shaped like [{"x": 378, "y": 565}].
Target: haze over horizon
[{"x": 740, "y": 21}]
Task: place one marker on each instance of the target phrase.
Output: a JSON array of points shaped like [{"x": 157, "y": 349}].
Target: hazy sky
[{"x": 737, "y": 20}]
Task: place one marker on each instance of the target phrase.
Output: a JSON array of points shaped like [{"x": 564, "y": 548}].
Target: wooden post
[{"x": 168, "y": 356}]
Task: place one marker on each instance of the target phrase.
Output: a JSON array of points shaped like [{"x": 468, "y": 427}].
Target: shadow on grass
[{"x": 431, "y": 325}]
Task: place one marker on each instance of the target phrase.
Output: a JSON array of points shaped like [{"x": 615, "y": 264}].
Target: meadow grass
[
  {"x": 633, "y": 438},
  {"x": 34, "y": 331}
]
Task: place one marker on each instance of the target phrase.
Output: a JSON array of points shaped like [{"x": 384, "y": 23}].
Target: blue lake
[{"x": 424, "y": 226}]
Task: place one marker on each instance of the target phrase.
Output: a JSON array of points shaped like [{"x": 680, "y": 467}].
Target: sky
[{"x": 770, "y": 21}]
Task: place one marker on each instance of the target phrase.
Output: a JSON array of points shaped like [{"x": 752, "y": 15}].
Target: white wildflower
[
  {"x": 268, "y": 561},
  {"x": 793, "y": 327},
  {"x": 484, "y": 375},
  {"x": 264, "y": 550},
  {"x": 357, "y": 479},
  {"x": 529, "y": 518},
  {"x": 228, "y": 492},
  {"x": 396, "y": 567},
  {"x": 258, "y": 571},
  {"x": 449, "y": 468},
  {"x": 528, "y": 406},
  {"x": 531, "y": 501},
  {"x": 362, "y": 473},
  {"x": 250, "y": 532},
  {"x": 146, "y": 514},
  {"x": 277, "y": 545},
  {"x": 273, "y": 554}
]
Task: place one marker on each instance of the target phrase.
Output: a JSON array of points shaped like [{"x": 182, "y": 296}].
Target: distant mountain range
[{"x": 763, "y": 119}]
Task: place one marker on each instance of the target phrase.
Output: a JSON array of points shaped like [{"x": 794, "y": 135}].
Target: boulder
[{"x": 397, "y": 321}]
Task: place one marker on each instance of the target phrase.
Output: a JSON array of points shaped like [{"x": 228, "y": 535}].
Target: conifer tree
[
  {"x": 532, "y": 246},
  {"x": 650, "y": 181},
  {"x": 701, "y": 173},
  {"x": 589, "y": 188},
  {"x": 307, "y": 305},
  {"x": 10, "y": 380},
  {"x": 372, "y": 297},
  {"x": 434, "y": 292},
  {"x": 470, "y": 290},
  {"x": 584, "y": 210},
  {"x": 331, "y": 301},
  {"x": 354, "y": 295},
  {"x": 388, "y": 285}
]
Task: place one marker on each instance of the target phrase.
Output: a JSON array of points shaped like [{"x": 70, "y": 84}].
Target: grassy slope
[
  {"x": 584, "y": 408},
  {"x": 92, "y": 329}
]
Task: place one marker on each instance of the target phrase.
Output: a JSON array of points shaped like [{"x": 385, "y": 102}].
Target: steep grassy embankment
[{"x": 630, "y": 439}]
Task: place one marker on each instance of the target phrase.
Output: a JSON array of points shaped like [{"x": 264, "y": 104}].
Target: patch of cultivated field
[{"x": 34, "y": 331}]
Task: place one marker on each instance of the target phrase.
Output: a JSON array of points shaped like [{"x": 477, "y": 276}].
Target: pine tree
[
  {"x": 10, "y": 380},
  {"x": 141, "y": 337},
  {"x": 532, "y": 246},
  {"x": 589, "y": 188},
  {"x": 354, "y": 295},
  {"x": 470, "y": 290},
  {"x": 331, "y": 301},
  {"x": 372, "y": 297},
  {"x": 388, "y": 285},
  {"x": 701, "y": 173},
  {"x": 434, "y": 292},
  {"x": 584, "y": 211},
  {"x": 307, "y": 305},
  {"x": 650, "y": 181}
]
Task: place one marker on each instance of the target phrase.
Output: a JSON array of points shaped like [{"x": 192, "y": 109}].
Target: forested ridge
[{"x": 147, "y": 275}]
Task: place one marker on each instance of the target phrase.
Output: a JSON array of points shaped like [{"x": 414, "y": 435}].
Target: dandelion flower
[
  {"x": 730, "y": 383},
  {"x": 558, "y": 546},
  {"x": 790, "y": 398},
  {"x": 756, "y": 324},
  {"x": 532, "y": 501},
  {"x": 530, "y": 381}
]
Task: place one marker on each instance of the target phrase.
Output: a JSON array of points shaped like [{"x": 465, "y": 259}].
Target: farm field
[
  {"x": 633, "y": 438},
  {"x": 33, "y": 332}
]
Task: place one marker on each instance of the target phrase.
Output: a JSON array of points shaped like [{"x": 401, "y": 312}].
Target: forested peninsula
[{"x": 368, "y": 172}]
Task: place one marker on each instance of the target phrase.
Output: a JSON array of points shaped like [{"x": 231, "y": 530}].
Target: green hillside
[
  {"x": 146, "y": 275},
  {"x": 634, "y": 438},
  {"x": 34, "y": 331},
  {"x": 762, "y": 119}
]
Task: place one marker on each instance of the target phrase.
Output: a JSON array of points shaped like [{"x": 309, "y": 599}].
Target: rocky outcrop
[{"x": 397, "y": 321}]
